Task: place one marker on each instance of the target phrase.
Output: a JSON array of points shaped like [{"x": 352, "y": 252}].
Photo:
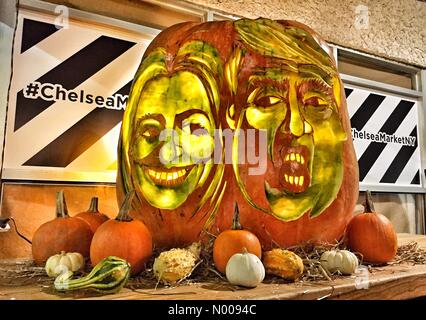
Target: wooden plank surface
[{"x": 391, "y": 282}]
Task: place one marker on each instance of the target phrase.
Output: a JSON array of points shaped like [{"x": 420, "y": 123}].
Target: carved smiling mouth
[
  {"x": 294, "y": 174},
  {"x": 172, "y": 177}
]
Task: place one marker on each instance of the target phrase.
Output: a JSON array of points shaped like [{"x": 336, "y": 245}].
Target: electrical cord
[{"x": 18, "y": 233}]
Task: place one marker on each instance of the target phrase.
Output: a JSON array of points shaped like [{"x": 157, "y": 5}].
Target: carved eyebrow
[
  {"x": 187, "y": 113},
  {"x": 318, "y": 81},
  {"x": 319, "y": 85},
  {"x": 269, "y": 75},
  {"x": 152, "y": 116},
  {"x": 280, "y": 76}
]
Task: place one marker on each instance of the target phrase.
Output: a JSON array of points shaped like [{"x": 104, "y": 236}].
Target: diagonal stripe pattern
[
  {"x": 70, "y": 73},
  {"x": 366, "y": 110},
  {"x": 373, "y": 151},
  {"x": 79, "y": 137},
  {"x": 399, "y": 162},
  {"x": 84, "y": 68},
  {"x": 385, "y": 162},
  {"x": 34, "y": 32}
]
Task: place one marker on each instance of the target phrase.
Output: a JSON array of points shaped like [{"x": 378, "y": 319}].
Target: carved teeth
[
  {"x": 296, "y": 180},
  {"x": 167, "y": 177},
  {"x": 295, "y": 157},
  {"x": 181, "y": 173}
]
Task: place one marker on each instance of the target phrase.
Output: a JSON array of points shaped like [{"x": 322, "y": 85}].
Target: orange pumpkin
[
  {"x": 233, "y": 241},
  {"x": 64, "y": 233},
  {"x": 124, "y": 238},
  {"x": 92, "y": 216},
  {"x": 372, "y": 234}
]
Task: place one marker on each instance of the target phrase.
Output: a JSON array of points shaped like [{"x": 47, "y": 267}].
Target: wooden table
[{"x": 390, "y": 282}]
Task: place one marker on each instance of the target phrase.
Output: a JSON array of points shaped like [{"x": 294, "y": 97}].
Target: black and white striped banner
[
  {"x": 385, "y": 135},
  {"x": 67, "y": 98}
]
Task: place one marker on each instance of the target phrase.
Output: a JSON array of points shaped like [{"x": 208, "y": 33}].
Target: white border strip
[{"x": 35, "y": 5}]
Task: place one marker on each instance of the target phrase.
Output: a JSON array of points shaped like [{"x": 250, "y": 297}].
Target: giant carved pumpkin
[{"x": 249, "y": 112}]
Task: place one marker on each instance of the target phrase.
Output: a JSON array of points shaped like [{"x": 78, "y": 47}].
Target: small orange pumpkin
[
  {"x": 92, "y": 216},
  {"x": 372, "y": 234},
  {"x": 233, "y": 241},
  {"x": 64, "y": 233},
  {"x": 123, "y": 237}
]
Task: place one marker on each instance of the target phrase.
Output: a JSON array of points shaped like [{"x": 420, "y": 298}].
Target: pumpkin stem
[
  {"x": 61, "y": 205},
  {"x": 236, "y": 225},
  {"x": 94, "y": 205},
  {"x": 368, "y": 206},
  {"x": 123, "y": 214}
]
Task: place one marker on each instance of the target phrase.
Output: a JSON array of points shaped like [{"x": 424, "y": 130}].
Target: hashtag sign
[{"x": 32, "y": 90}]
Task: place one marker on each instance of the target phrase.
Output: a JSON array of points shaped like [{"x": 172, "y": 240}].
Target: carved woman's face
[
  {"x": 174, "y": 131},
  {"x": 167, "y": 138}
]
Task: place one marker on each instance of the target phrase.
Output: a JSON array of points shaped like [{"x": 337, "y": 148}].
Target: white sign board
[
  {"x": 385, "y": 134},
  {"x": 68, "y": 93}
]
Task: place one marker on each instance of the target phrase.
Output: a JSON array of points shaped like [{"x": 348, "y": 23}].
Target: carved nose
[{"x": 296, "y": 122}]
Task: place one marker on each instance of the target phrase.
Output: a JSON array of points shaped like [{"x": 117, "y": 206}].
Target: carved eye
[
  {"x": 315, "y": 101},
  {"x": 267, "y": 101},
  {"x": 150, "y": 133}
]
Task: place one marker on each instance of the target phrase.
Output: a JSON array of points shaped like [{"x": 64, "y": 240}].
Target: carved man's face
[
  {"x": 298, "y": 109},
  {"x": 305, "y": 139}
]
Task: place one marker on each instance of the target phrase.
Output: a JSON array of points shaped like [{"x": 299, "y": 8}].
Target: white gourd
[
  {"x": 245, "y": 269},
  {"x": 62, "y": 262},
  {"x": 342, "y": 261}
]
